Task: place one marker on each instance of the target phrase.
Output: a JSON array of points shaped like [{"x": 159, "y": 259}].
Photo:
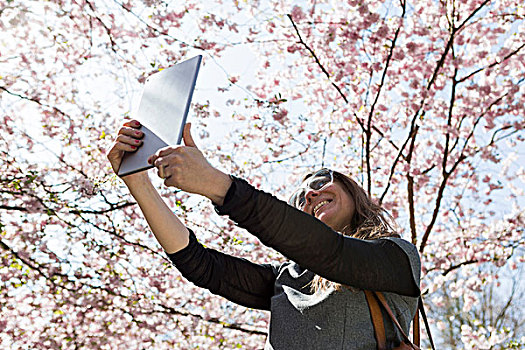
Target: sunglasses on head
[{"x": 317, "y": 182}]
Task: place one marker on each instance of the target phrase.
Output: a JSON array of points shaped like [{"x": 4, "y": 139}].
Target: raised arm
[
  {"x": 390, "y": 265},
  {"x": 236, "y": 279},
  {"x": 167, "y": 228}
]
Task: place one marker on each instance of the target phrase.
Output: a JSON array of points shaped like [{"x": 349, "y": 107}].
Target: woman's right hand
[{"x": 128, "y": 140}]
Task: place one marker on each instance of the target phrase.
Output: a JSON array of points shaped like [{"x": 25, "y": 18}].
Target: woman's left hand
[{"x": 186, "y": 168}]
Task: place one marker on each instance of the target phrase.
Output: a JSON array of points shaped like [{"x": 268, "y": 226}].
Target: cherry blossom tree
[
  {"x": 421, "y": 102},
  {"x": 495, "y": 317}
]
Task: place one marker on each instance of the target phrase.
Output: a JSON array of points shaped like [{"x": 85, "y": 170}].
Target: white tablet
[{"x": 163, "y": 110}]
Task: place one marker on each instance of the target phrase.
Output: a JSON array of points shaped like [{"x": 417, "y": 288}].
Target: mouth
[{"x": 320, "y": 205}]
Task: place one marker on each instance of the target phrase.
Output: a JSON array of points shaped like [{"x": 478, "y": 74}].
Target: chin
[
  {"x": 334, "y": 226},
  {"x": 327, "y": 221}
]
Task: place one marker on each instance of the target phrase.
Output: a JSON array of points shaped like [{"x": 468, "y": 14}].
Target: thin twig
[
  {"x": 301, "y": 41},
  {"x": 372, "y": 107}
]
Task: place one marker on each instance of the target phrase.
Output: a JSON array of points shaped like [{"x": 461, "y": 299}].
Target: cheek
[
  {"x": 349, "y": 209},
  {"x": 351, "y": 205},
  {"x": 349, "y": 215}
]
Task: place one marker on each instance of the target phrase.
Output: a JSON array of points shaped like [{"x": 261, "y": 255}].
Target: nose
[{"x": 309, "y": 195}]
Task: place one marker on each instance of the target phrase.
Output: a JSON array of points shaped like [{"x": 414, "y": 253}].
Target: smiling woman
[
  {"x": 325, "y": 199},
  {"x": 333, "y": 234},
  {"x": 354, "y": 212},
  {"x": 342, "y": 204}
]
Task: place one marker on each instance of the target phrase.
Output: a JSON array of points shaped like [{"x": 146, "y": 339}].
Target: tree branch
[
  {"x": 492, "y": 65},
  {"x": 14, "y": 208},
  {"x": 429, "y": 85},
  {"x": 309, "y": 49},
  {"x": 410, "y": 192},
  {"x": 457, "y": 266},
  {"x": 368, "y": 131},
  {"x": 233, "y": 326},
  {"x": 437, "y": 206},
  {"x": 445, "y": 174},
  {"x": 396, "y": 160},
  {"x": 505, "y": 308},
  {"x": 168, "y": 309},
  {"x": 449, "y": 120},
  {"x": 337, "y": 88},
  {"x": 102, "y": 211},
  {"x": 106, "y": 28},
  {"x": 454, "y": 30},
  {"x": 158, "y": 31},
  {"x": 32, "y": 99}
]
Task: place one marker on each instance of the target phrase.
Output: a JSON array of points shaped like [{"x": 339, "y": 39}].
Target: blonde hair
[{"x": 370, "y": 221}]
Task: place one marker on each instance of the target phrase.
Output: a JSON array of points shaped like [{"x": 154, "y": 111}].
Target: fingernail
[
  {"x": 134, "y": 147},
  {"x": 137, "y": 123},
  {"x": 137, "y": 141}
]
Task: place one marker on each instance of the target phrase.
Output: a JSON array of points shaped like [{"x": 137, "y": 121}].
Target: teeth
[{"x": 319, "y": 205}]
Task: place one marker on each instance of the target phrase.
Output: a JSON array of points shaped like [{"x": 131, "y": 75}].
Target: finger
[
  {"x": 163, "y": 152},
  {"x": 167, "y": 161},
  {"x": 128, "y": 140},
  {"x": 131, "y": 132},
  {"x": 152, "y": 159},
  {"x": 161, "y": 172},
  {"x": 186, "y": 135},
  {"x": 168, "y": 182},
  {"x": 164, "y": 172},
  {"x": 132, "y": 123},
  {"x": 159, "y": 163},
  {"x": 121, "y": 147}
]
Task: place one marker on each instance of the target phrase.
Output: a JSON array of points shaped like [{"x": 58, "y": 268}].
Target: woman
[{"x": 316, "y": 300}]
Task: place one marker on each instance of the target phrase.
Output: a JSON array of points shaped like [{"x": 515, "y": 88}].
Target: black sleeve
[
  {"x": 236, "y": 279},
  {"x": 380, "y": 265}
]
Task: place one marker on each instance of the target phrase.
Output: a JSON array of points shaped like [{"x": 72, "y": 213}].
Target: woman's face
[{"x": 331, "y": 204}]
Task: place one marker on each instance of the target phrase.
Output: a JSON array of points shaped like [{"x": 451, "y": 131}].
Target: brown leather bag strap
[
  {"x": 377, "y": 320},
  {"x": 415, "y": 329},
  {"x": 385, "y": 305}
]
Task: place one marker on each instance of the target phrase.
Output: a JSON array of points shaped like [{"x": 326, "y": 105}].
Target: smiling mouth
[{"x": 320, "y": 205}]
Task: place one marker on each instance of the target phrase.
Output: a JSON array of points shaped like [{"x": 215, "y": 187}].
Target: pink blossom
[
  {"x": 279, "y": 115},
  {"x": 297, "y": 13},
  {"x": 293, "y": 48},
  {"x": 382, "y": 32},
  {"x": 411, "y": 47}
]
